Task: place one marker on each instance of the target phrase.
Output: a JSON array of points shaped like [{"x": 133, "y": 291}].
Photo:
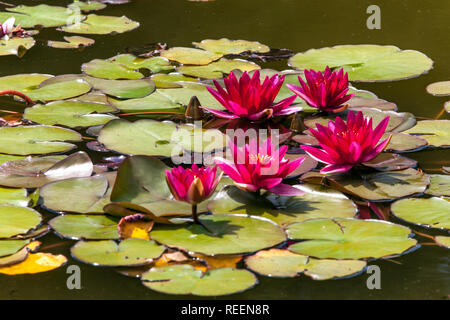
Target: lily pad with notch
[{"x": 89, "y": 227}]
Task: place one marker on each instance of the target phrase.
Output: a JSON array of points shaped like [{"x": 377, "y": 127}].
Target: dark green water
[{"x": 298, "y": 25}]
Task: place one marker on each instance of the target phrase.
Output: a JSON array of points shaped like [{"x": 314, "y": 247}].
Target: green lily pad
[
  {"x": 87, "y": 5},
  {"x": 447, "y": 106},
  {"x": 380, "y": 186},
  {"x": 436, "y": 132},
  {"x": 42, "y": 15},
  {"x": 16, "y": 46},
  {"x": 81, "y": 195},
  {"x": 184, "y": 94},
  {"x": 403, "y": 142},
  {"x": 441, "y": 88},
  {"x": 36, "y": 172},
  {"x": 366, "y": 63},
  {"x": 14, "y": 258},
  {"x": 123, "y": 89},
  {"x": 443, "y": 241},
  {"x": 154, "y": 138},
  {"x": 8, "y": 247},
  {"x": 284, "y": 263},
  {"x": 218, "y": 68},
  {"x": 190, "y": 55},
  {"x": 232, "y": 234},
  {"x": 432, "y": 213},
  {"x": 155, "y": 102},
  {"x": 74, "y": 42},
  {"x": 129, "y": 252},
  {"x": 93, "y": 227},
  {"x": 185, "y": 279},
  {"x": 97, "y": 24},
  {"x": 439, "y": 185},
  {"x": 17, "y": 220},
  {"x": 390, "y": 162},
  {"x": 317, "y": 202},
  {"x": 170, "y": 80},
  {"x": 349, "y": 238},
  {"x": 226, "y": 46},
  {"x": 14, "y": 197},
  {"x": 36, "y": 140}
]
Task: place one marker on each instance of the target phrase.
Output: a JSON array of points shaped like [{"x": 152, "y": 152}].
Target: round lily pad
[
  {"x": 107, "y": 253},
  {"x": 441, "y": 88},
  {"x": 349, "y": 238},
  {"x": 185, "y": 279},
  {"x": 232, "y": 234},
  {"x": 439, "y": 185},
  {"x": 403, "y": 142},
  {"x": 36, "y": 140},
  {"x": 436, "y": 132},
  {"x": 95, "y": 227},
  {"x": 17, "y": 220},
  {"x": 70, "y": 113},
  {"x": 8, "y": 247},
  {"x": 432, "y": 213},
  {"x": 98, "y": 24},
  {"x": 443, "y": 241},
  {"x": 81, "y": 195},
  {"x": 122, "y": 89},
  {"x": 190, "y": 55},
  {"x": 16, "y": 46},
  {"x": 74, "y": 42},
  {"x": 284, "y": 263},
  {"x": 218, "y": 68},
  {"x": 154, "y": 138},
  {"x": 317, "y": 202},
  {"x": 226, "y": 46},
  {"x": 366, "y": 62}
]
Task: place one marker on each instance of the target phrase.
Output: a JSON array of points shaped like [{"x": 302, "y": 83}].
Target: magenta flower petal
[
  {"x": 335, "y": 168},
  {"x": 286, "y": 190},
  {"x": 221, "y": 114}
]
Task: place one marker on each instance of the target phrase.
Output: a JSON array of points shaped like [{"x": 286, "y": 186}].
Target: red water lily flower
[
  {"x": 192, "y": 185},
  {"x": 254, "y": 167},
  {"x": 325, "y": 91},
  {"x": 248, "y": 98},
  {"x": 345, "y": 145},
  {"x": 7, "y": 28}
]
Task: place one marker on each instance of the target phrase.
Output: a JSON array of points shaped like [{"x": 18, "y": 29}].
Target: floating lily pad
[
  {"x": 226, "y": 46},
  {"x": 375, "y": 186},
  {"x": 232, "y": 234},
  {"x": 170, "y": 80},
  {"x": 129, "y": 252},
  {"x": 349, "y": 238},
  {"x": 447, "y": 106},
  {"x": 97, "y": 24},
  {"x": 93, "y": 227},
  {"x": 433, "y": 212},
  {"x": 185, "y": 279},
  {"x": 155, "y": 102},
  {"x": 443, "y": 241},
  {"x": 123, "y": 89},
  {"x": 125, "y": 66},
  {"x": 81, "y": 195},
  {"x": 190, "y": 55},
  {"x": 14, "y": 197},
  {"x": 74, "y": 42},
  {"x": 17, "y": 220},
  {"x": 317, "y": 202},
  {"x": 35, "y": 263},
  {"x": 8, "y": 247},
  {"x": 16, "y": 46},
  {"x": 70, "y": 113},
  {"x": 184, "y": 94},
  {"x": 360, "y": 101},
  {"x": 366, "y": 62},
  {"x": 436, "y": 132},
  {"x": 87, "y": 5},
  {"x": 441, "y": 88},
  {"x": 439, "y": 185},
  {"x": 36, "y": 172},
  {"x": 218, "y": 68},
  {"x": 14, "y": 258},
  {"x": 149, "y": 137},
  {"x": 403, "y": 142},
  {"x": 284, "y": 263},
  {"x": 390, "y": 162}
]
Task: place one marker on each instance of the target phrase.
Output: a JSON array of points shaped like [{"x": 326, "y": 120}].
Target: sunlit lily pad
[
  {"x": 226, "y": 46},
  {"x": 218, "y": 68},
  {"x": 433, "y": 212},
  {"x": 87, "y": 5},
  {"x": 17, "y": 220},
  {"x": 349, "y": 238},
  {"x": 97, "y": 24},
  {"x": 317, "y": 202},
  {"x": 436, "y": 132},
  {"x": 439, "y": 185},
  {"x": 125, "y": 66},
  {"x": 184, "y": 94},
  {"x": 36, "y": 140},
  {"x": 149, "y": 137},
  {"x": 16, "y": 46},
  {"x": 129, "y": 252},
  {"x": 375, "y": 186},
  {"x": 81, "y": 195},
  {"x": 284, "y": 263},
  {"x": 185, "y": 279},
  {"x": 35, "y": 263},
  {"x": 443, "y": 241},
  {"x": 170, "y": 80},
  {"x": 14, "y": 197},
  {"x": 366, "y": 62},
  {"x": 441, "y": 88},
  {"x": 94, "y": 227},
  {"x": 155, "y": 102},
  {"x": 190, "y": 55},
  {"x": 122, "y": 89},
  {"x": 232, "y": 234},
  {"x": 403, "y": 142},
  {"x": 74, "y": 42},
  {"x": 8, "y": 247},
  {"x": 390, "y": 162}
]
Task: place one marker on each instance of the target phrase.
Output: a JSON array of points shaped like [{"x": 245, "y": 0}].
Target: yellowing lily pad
[
  {"x": 17, "y": 220},
  {"x": 436, "y": 132},
  {"x": 94, "y": 227},
  {"x": 218, "y": 68},
  {"x": 443, "y": 241},
  {"x": 226, "y": 46},
  {"x": 35, "y": 263}
]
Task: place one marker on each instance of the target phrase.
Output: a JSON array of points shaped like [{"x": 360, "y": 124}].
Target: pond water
[{"x": 298, "y": 25}]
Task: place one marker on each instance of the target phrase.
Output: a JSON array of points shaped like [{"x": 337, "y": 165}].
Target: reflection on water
[{"x": 297, "y": 25}]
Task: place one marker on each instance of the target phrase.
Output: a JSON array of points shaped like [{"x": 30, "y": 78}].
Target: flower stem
[
  {"x": 19, "y": 94},
  {"x": 197, "y": 220}
]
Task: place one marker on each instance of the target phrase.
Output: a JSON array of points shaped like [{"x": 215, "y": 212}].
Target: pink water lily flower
[
  {"x": 192, "y": 185},
  {"x": 7, "y": 28},
  {"x": 248, "y": 98},
  {"x": 254, "y": 167},
  {"x": 327, "y": 91},
  {"x": 345, "y": 145}
]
